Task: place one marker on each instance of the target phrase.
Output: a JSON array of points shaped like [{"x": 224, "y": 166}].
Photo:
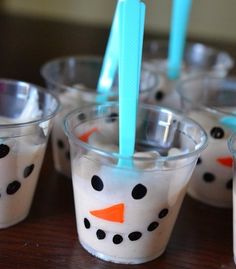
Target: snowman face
[
  {"x": 117, "y": 203},
  {"x": 125, "y": 213},
  {"x": 212, "y": 178}
]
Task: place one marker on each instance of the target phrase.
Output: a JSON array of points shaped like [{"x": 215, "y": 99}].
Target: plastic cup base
[
  {"x": 13, "y": 222},
  {"x": 119, "y": 259}
]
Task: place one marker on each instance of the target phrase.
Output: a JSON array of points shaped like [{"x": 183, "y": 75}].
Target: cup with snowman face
[
  {"x": 197, "y": 58},
  {"x": 211, "y": 101},
  {"x": 126, "y": 213},
  {"x": 26, "y": 118}
]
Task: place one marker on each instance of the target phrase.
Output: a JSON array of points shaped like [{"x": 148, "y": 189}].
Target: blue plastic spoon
[
  {"x": 179, "y": 23},
  {"x": 229, "y": 122},
  {"x": 110, "y": 60},
  {"x": 131, "y": 30}
]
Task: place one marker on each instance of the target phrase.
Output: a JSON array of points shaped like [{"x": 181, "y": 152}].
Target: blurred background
[{"x": 210, "y": 19}]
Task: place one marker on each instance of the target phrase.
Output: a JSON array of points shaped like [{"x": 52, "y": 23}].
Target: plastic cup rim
[
  {"x": 117, "y": 156},
  {"x": 38, "y": 119}
]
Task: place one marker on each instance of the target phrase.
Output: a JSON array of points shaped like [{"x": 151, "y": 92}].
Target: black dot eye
[
  {"x": 159, "y": 95},
  {"x": 208, "y": 177},
  {"x": 217, "y": 132},
  {"x": 97, "y": 183},
  {"x": 163, "y": 213},
  {"x": 81, "y": 116},
  {"x": 13, "y": 187},
  {"x": 86, "y": 223},
  {"x": 60, "y": 144},
  {"x": 4, "y": 150},
  {"x": 112, "y": 117},
  {"x": 229, "y": 184},
  {"x": 139, "y": 191},
  {"x": 28, "y": 170}
]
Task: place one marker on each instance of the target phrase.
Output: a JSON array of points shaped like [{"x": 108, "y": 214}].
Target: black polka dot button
[
  {"x": 217, "y": 132},
  {"x": 134, "y": 236},
  {"x": 86, "y": 223},
  {"x": 97, "y": 183},
  {"x": 28, "y": 170},
  {"x": 163, "y": 213},
  {"x": 4, "y": 150},
  {"x": 208, "y": 177},
  {"x": 139, "y": 191},
  {"x": 100, "y": 234},
  {"x": 13, "y": 187},
  {"x": 117, "y": 239}
]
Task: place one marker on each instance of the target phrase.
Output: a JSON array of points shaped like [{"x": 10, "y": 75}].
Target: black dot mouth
[{"x": 118, "y": 238}]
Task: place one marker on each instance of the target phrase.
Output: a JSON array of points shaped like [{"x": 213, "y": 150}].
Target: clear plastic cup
[
  {"x": 197, "y": 58},
  {"x": 125, "y": 214},
  {"x": 232, "y": 148},
  {"x": 211, "y": 101},
  {"x": 26, "y": 114},
  {"x": 74, "y": 79}
]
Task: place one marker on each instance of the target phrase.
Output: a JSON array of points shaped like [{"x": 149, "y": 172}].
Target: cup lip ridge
[
  {"x": 46, "y": 65},
  {"x": 201, "y": 146},
  {"x": 86, "y": 57},
  {"x": 37, "y": 120},
  {"x": 199, "y": 77},
  {"x": 163, "y": 44}
]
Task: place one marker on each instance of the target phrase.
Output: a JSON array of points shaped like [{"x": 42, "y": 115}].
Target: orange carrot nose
[
  {"x": 85, "y": 136},
  {"x": 113, "y": 213},
  {"x": 226, "y": 161}
]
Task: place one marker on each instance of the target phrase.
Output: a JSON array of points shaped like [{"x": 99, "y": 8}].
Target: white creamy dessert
[
  {"x": 211, "y": 181},
  {"x": 127, "y": 215},
  {"x": 61, "y": 149},
  {"x": 165, "y": 93}
]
